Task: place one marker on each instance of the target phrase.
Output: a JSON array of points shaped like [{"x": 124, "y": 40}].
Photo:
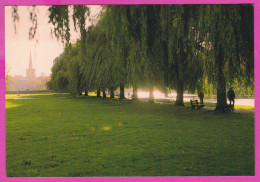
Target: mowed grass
[{"x": 58, "y": 135}]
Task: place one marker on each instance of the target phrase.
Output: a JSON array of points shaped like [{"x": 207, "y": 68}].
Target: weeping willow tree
[
  {"x": 151, "y": 46},
  {"x": 100, "y": 57},
  {"x": 212, "y": 43},
  {"x": 132, "y": 24},
  {"x": 140, "y": 44},
  {"x": 65, "y": 75},
  {"x": 91, "y": 54},
  {"x": 59, "y": 17},
  {"x": 120, "y": 48},
  {"x": 183, "y": 63},
  {"x": 116, "y": 55},
  {"x": 59, "y": 79},
  {"x": 228, "y": 32}
]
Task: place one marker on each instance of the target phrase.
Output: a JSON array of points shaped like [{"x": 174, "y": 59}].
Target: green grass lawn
[{"x": 57, "y": 135}]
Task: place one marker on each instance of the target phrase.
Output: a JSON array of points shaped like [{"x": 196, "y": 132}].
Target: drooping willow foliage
[{"x": 181, "y": 47}]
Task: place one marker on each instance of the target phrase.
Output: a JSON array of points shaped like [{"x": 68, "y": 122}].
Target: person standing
[
  {"x": 231, "y": 96},
  {"x": 201, "y": 96}
]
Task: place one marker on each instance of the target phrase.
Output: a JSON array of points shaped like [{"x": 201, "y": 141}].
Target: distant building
[
  {"x": 30, "y": 82},
  {"x": 30, "y": 72}
]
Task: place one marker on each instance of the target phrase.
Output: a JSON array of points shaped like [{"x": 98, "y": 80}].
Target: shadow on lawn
[{"x": 167, "y": 107}]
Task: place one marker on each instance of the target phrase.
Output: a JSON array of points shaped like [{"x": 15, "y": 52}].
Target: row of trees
[{"x": 181, "y": 47}]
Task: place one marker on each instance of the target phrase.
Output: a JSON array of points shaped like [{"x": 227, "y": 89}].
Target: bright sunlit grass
[{"x": 10, "y": 105}]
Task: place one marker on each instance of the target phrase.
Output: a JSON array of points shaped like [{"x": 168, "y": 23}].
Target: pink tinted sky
[{"x": 18, "y": 46}]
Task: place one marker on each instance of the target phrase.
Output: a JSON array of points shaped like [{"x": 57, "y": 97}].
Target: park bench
[{"x": 194, "y": 103}]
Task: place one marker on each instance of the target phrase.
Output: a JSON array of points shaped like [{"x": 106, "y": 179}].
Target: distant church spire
[
  {"x": 30, "y": 62},
  {"x": 30, "y": 72}
]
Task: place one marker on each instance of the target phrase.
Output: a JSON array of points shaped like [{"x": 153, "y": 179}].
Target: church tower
[{"x": 30, "y": 72}]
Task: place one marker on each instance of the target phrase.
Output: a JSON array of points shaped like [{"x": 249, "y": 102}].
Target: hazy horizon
[{"x": 18, "y": 47}]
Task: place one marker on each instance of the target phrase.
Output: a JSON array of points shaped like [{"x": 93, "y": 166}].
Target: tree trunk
[
  {"x": 221, "y": 96},
  {"x": 86, "y": 92},
  {"x": 122, "y": 91},
  {"x": 179, "y": 98},
  {"x": 221, "y": 87},
  {"x": 135, "y": 96},
  {"x": 180, "y": 81},
  {"x": 112, "y": 95},
  {"x": 104, "y": 94},
  {"x": 151, "y": 97},
  {"x": 98, "y": 93}
]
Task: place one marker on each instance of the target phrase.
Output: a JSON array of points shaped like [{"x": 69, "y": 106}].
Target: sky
[{"x": 18, "y": 47}]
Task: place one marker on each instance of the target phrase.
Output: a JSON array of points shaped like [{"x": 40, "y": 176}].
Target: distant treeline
[
  {"x": 21, "y": 83},
  {"x": 28, "y": 92}
]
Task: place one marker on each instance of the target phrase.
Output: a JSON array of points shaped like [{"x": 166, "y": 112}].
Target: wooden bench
[{"x": 194, "y": 103}]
